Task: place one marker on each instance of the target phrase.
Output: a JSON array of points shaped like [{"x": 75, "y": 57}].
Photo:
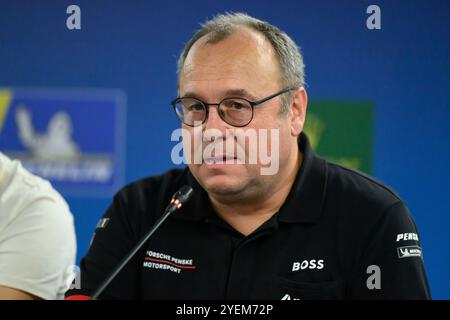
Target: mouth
[{"x": 220, "y": 159}]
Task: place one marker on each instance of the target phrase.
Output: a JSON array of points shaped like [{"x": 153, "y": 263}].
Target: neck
[{"x": 246, "y": 215}]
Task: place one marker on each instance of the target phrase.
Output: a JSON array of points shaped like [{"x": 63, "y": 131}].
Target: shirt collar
[{"x": 303, "y": 204}]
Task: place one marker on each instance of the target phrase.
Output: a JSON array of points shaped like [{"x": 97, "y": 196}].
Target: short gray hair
[{"x": 287, "y": 52}]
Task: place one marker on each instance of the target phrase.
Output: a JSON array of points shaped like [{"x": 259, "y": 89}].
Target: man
[
  {"x": 310, "y": 230},
  {"x": 37, "y": 237}
]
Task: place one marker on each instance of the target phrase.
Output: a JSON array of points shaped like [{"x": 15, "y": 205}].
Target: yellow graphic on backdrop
[
  {"x": 314, "y": 128},
  {"x": 5, "y": 98}
]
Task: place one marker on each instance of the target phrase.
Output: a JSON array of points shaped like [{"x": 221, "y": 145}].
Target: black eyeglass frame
[{"x": 253, "y": 104}]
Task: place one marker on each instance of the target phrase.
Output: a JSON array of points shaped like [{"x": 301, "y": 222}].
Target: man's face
[{"x": 242, "y": 65}]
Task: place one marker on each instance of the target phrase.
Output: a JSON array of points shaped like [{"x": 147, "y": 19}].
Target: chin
[{"x": 221, "y": 184}]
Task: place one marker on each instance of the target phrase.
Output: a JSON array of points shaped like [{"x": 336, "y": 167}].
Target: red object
[{"x": 78, "y": 297}]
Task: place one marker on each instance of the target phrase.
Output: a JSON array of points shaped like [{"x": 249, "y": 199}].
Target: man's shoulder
[
  {"x": 359, "y": 189},
  {"x": 364, "y": 207},
  {"x": 151, "y": 192},
  {"x": 142, "y": 201},
  {"x": 22, "y": 191},
  {"x": 169, "y": 180}
]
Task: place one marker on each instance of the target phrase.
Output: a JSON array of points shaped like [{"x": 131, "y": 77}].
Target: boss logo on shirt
[{"x": 308, "y": 264}]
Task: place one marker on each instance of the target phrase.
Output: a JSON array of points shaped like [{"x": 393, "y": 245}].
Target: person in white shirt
[{"x": 37, "y": 236}]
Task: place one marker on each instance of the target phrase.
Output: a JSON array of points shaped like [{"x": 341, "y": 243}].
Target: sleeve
[
  {"x": 113, "y": 239},
  {"x": 391, "y": 265},
  {"x": 38, "y": 249}
]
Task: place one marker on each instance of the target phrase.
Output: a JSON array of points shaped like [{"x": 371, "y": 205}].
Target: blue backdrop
[{"x": 132, "y": 46}]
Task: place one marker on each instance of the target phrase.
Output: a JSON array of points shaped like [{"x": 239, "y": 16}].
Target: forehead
[{"x": 243, "y": 59}]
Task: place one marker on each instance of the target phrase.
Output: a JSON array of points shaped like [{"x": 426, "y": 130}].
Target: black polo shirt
[{"x": 339, "y": 235}]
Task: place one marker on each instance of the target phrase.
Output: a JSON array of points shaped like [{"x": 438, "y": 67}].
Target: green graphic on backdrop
[{"x": 342, "y": 132}]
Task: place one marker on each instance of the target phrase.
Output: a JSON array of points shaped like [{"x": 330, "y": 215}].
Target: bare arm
[{"x": 7, "y": 293}]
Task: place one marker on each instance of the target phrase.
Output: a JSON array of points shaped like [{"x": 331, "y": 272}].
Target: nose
[{"x": 214, "y": 120}]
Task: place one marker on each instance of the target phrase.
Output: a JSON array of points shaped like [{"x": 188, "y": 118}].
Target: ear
[{"x": 298, "y": 110}]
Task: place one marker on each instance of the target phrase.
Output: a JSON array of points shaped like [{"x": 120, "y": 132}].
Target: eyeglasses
[{"x": 237, "y": 112}]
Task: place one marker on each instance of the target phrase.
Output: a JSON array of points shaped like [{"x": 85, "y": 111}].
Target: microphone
[{"x": 178, "y": 200}]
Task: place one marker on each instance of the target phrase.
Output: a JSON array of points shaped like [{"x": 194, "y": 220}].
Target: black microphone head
[{"x": 183, "y": 194}]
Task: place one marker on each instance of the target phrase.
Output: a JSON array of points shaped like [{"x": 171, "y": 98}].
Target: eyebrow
[{"x": 236, "y": 93}]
